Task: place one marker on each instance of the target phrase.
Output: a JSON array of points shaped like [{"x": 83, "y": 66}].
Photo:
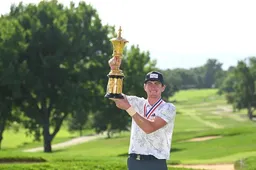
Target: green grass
[
  {"x": 200, "y": 113},
  {"x": 212, "y": 151},
  {"x": 195, "y": 95}
]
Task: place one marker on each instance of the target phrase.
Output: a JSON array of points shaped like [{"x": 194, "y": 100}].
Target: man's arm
[{"x": 148, "y": 126}]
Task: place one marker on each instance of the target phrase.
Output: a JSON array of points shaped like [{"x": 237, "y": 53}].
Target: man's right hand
[{"x": 114, "y": 62}]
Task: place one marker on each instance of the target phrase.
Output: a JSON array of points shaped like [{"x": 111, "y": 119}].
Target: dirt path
[
  {"x": 71, "y": 142},
  {"x": 208, "y": 166},
  {"x": 199, "y": 139}
]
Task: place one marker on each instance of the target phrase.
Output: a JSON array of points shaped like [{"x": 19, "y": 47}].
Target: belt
[{"x": 142, "y": 157}]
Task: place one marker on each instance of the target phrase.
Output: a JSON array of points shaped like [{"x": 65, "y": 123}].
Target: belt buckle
[{"x": 138, "y": 157}]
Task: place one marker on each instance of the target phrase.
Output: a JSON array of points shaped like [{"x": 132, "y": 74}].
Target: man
[{"x": 152, "y": 125}]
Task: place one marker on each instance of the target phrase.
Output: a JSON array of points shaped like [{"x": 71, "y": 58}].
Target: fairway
[{"x": 200, "y": 113}]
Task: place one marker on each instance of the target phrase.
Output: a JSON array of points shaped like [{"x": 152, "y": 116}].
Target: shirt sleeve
[
  {"x": 135, "y": 101},
  {"x": 167, "y": 112},
  {"x": 131, "y": 99}
]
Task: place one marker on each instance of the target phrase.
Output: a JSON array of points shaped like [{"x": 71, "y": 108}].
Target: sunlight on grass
[
  {"x": 13, "y": 139},
  {"x": 19, "y": 139},
  {"x": 195, "y": 94}
]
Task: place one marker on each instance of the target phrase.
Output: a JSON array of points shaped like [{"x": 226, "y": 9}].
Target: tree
[
  {"x": 78, "y": 120},
  {"x": 228, "y": 89},
  {"x": 228, "y": 83},
  {"x": 187, "y": 76},
  {"x": 173, "y": 83},
  {"x": 240, "y": 86},
  {"x": 11, "y": 44},
  {"x": 213, "y": 69},
  {"x": 173, "y": 79},
  {"x": 66, "y": 47},
  {"x": 199, "y": 73}
]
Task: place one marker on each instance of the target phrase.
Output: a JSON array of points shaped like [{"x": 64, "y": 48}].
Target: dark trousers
[{"x": 157, "y": 164}]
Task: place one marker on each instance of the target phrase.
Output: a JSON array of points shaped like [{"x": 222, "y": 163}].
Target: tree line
[{"x": 54, "y": 66}]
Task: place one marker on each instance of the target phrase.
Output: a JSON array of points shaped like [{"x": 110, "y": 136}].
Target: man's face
[{"x": 154, "y": 88}]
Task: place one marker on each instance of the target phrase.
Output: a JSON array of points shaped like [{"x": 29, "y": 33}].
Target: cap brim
[{"x": 153, "y": 79}]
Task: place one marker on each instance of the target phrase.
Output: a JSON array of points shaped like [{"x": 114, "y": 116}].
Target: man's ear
[{"x": 164, "y": 86}]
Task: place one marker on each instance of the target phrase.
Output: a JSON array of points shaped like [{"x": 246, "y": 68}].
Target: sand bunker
[
  {"x": 208, "y": 167},
  {"x": 203, "y": 138}
]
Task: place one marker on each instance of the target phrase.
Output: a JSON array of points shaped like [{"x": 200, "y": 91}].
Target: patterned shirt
[{"x": 157, "y": 143}]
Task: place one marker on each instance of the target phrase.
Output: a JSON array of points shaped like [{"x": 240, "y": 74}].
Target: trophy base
[{"x": 114, "y": 96}]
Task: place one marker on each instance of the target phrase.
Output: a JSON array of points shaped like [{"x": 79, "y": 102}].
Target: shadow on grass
[
  {"x": 178, "y": 112},
  {"x": 176, "y": 149},
  {"x": 24, "y": 144},
  {"x": 21, "y": 160},
  {"x": 173, "y": 162},
  {"x": 123, "y": 155}
]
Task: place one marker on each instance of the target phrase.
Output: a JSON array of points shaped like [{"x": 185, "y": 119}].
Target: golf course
[{"x": 207, "y": 134}]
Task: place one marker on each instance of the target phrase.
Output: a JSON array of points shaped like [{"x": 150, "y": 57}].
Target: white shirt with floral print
[{"x": 157, "y": 143}]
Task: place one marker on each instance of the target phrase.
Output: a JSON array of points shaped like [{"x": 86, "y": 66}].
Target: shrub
[{"x": 246, "y": 164}]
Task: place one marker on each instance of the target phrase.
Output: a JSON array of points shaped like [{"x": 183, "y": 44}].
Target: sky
[{"x": 180, "y": 33}]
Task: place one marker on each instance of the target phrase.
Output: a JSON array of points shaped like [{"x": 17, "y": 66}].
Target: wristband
[{"x": 131, "y": 111}]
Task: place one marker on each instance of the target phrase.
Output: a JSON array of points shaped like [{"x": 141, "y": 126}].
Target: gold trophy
[{"x": 116, "y": 76}]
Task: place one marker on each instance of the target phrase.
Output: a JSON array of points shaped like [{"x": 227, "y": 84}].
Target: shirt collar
[{"x": 149, "y": 105}]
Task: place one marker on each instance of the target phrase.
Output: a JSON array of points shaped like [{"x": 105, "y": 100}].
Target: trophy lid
[
  {"x": 119, "y": 37},
  {"x": 118, "y": 44}
]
